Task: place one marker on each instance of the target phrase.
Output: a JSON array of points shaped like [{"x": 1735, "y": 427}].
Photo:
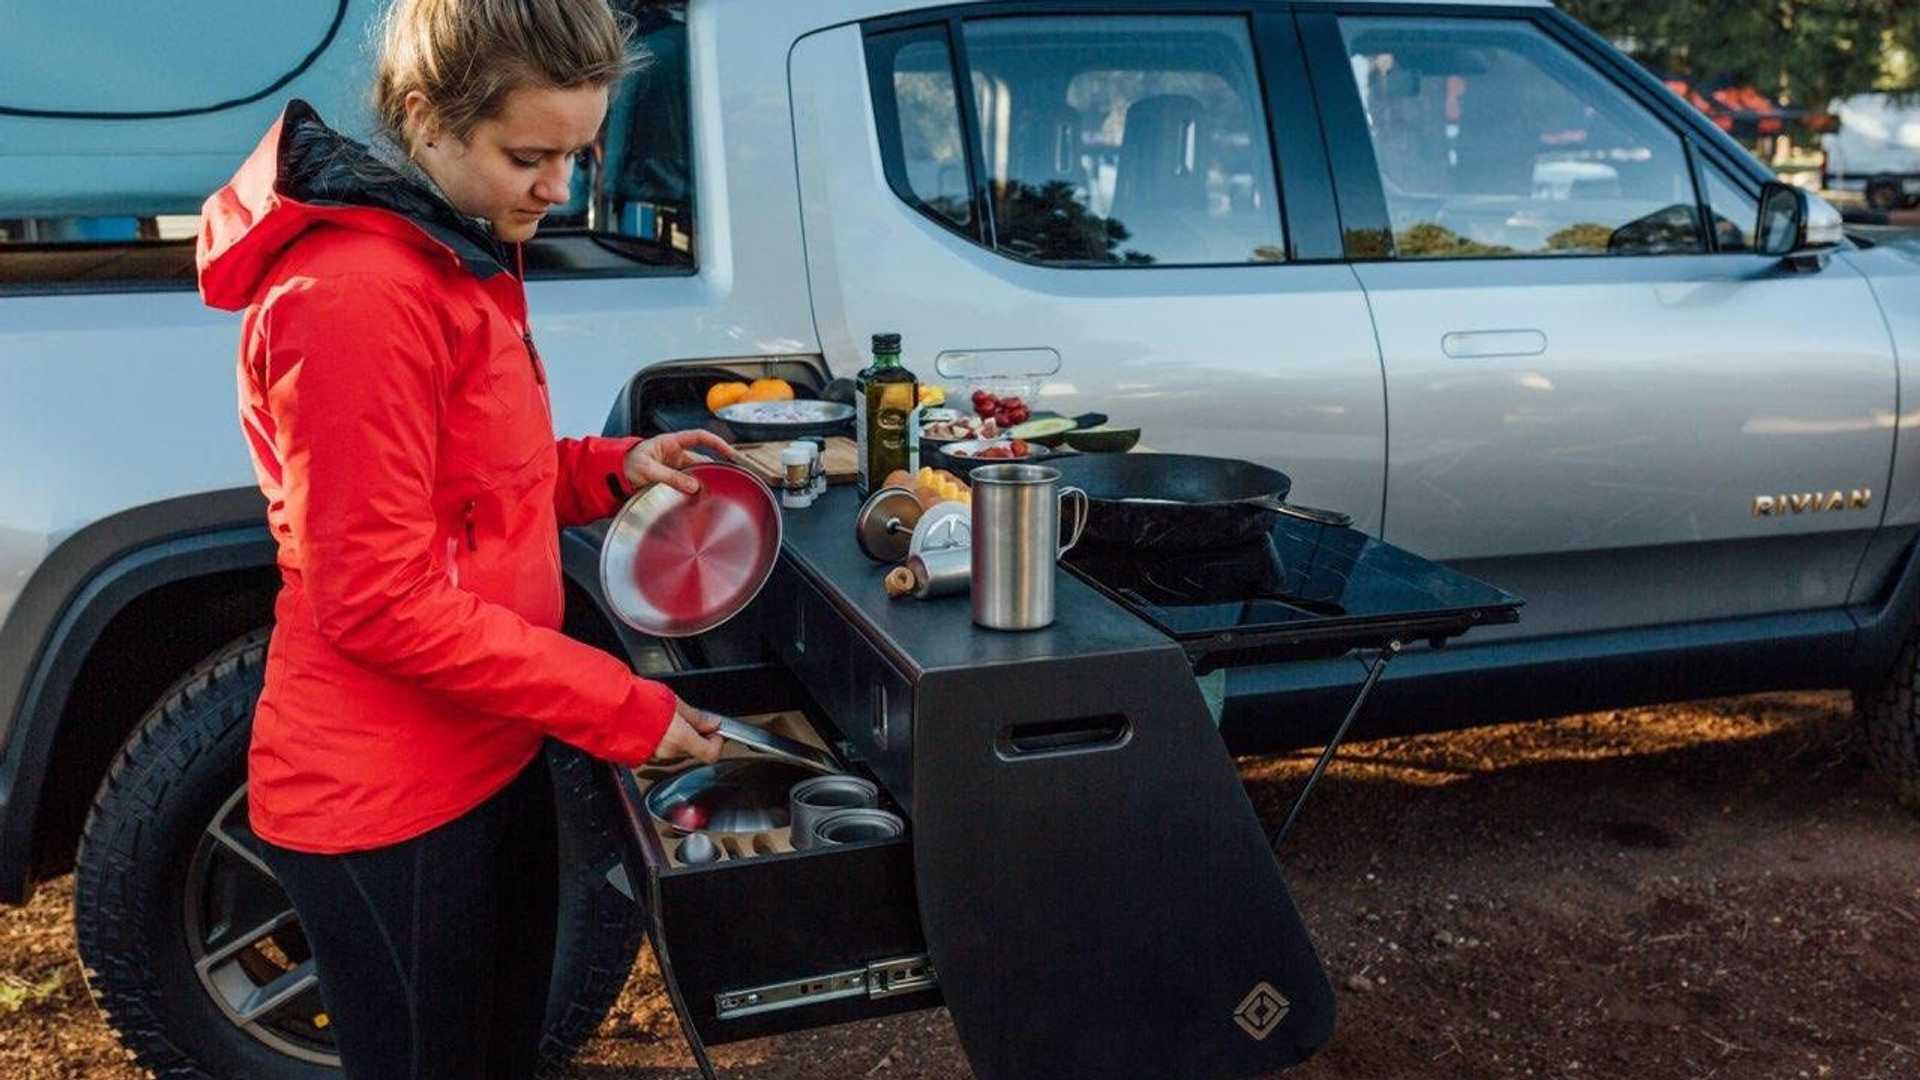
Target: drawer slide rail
[{"x": 880, "y": 979}]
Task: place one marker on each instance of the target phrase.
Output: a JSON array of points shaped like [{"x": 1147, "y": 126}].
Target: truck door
[
  {"x": 1108, "y": 188},
  {"x": 1592, "y": 378}
]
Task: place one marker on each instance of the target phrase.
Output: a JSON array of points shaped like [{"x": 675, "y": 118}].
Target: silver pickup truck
[{"x": 1464, "y": 272}]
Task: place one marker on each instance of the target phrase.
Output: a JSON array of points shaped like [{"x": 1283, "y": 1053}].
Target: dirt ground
[{"x": 1716, "y": 890}]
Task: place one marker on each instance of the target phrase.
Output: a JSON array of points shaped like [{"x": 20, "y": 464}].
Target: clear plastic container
[{"x": 1004, "y": 373}]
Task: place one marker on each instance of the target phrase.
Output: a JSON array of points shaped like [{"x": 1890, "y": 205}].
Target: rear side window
[
  {"x": 921, "y": 114},
  {"x": 111, "y": 201},
  {"x": 1098, "y": 141},
  {"x": 1493, "y": 140}
]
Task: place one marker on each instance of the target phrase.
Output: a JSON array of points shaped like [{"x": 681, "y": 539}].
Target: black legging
[{"x": 434, "y": 954}]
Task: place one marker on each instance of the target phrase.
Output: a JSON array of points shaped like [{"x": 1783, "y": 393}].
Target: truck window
[
  {"x": 1735, "y": 213},
  {"x": 126, "y": 216},
  {"x": 920, "y": 116},
  {"x": 1493, "y": 140},
  {"x": 1101, "y": 140}
]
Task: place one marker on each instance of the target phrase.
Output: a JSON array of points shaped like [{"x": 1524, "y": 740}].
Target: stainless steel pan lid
[
  {"x": 742, "y": 795},
  {"x": 674, "y": 564}
]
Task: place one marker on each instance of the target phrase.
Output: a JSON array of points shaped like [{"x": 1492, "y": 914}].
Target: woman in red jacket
[{"x": 396, "y": 410}]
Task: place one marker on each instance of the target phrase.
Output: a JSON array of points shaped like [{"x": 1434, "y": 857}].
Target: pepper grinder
[{"x": 799, "y": 461}]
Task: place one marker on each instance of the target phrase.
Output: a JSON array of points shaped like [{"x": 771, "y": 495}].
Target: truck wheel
[
  {"x": 192, "y": 950},
  {"x": 1884, "y": 194},
  {"x": 1891, "y": 715}
]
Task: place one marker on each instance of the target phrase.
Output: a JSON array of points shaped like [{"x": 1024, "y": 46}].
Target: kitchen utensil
[
  {"x": 811, "y": 800},
  {"x": 697, "y": 849},
  {"x": 884, "y": 526},
  {"x": 1180, "y": 501},
  {"x": 737, "y": 795},
  {"x": 674, "y": 564},
  {"x": 856, "y": 826},
  {"x": 941, "y": 572},
  {"x": 799, "y": 464},
  {"x": 776, "y": 745},
  {"x": 1016, "y": 543},
  {"x": 766, "y": 421},
  {"x": 821, "y": 445},
  {"x": 942, "y": 525},
  {"x": 836, "y": 458}
]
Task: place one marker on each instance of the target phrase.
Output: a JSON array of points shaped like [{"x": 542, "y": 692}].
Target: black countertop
[
  {"x": 939, "y": 634},
  {"x": 1338, "y": 589}
]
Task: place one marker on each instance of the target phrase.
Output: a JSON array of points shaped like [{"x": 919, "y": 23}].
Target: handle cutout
[{"x": 1075, "y": 735}]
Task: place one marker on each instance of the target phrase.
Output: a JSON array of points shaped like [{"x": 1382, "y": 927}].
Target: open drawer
[{"x": 769, "y": 939}]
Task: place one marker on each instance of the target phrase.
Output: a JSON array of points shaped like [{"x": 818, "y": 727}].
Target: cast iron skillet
[{"x": 1180, "y": 501}]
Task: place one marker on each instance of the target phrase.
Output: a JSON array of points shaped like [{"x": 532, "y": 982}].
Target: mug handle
[{"x": 1079, "y": 522}]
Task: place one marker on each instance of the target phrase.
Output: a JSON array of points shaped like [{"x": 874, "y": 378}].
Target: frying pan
[
  {"x": 1180, "y": 501},
  {"x": 675, "y": 564}
]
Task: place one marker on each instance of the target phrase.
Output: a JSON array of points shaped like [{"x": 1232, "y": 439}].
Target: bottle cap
[{"x": 886, "y": 343}]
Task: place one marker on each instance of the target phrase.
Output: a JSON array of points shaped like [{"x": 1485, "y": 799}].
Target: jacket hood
[{"x": 302, "y": 174}]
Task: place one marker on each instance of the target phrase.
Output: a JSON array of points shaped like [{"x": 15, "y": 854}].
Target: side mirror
[{"x": 1795, "y": 226}]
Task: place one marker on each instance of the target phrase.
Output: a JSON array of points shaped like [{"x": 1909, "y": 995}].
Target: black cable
[{"x": 339, "y": 16}]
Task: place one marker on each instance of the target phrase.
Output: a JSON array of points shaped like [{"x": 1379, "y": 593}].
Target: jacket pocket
[{"x": 497, "y": 425}]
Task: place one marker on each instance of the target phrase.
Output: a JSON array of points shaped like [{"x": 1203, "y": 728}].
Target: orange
[
  {"x": 721, "y": 395},
  {"x": 769, "y": 390}
]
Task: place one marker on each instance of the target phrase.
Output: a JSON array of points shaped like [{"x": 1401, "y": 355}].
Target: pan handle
[{"x": 1304, "y": 513}]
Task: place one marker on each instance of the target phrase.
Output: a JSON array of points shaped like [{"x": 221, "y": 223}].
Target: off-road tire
[
  {"x": 186, "y": 758},
  {"x": 1890, "y": 714}
]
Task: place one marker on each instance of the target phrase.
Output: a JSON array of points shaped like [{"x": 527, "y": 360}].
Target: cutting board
[{"x": 764, "y": 459}]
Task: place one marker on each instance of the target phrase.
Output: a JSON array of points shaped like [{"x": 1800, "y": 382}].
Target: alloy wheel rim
[{"x": 246, "y": 944}]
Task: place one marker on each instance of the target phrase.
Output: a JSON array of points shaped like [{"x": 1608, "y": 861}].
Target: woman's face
[{"x": 511, "y": 169}]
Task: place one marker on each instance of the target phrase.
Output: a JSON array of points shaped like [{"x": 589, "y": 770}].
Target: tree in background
[{"x": 1802, "y": 52}]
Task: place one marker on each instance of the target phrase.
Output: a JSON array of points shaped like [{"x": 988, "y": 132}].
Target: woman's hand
[
  {"x": 659, "y": 460},
  {"x": 690, "y": 734}
]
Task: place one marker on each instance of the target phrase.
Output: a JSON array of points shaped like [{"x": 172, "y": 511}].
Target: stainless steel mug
[{"x": 1016, "y": 542}]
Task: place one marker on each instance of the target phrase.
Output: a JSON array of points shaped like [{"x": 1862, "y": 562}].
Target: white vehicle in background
[{"x": 1875, "y": 152}]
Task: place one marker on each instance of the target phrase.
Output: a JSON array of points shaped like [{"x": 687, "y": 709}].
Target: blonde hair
[{"x": 466, "y": 56}]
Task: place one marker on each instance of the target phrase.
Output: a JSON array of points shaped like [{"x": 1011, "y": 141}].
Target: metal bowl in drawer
[{"x": 737, "y": 796}]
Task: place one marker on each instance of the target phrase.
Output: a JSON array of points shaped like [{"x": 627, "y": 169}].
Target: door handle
[{"x": 1481, "y": 344}]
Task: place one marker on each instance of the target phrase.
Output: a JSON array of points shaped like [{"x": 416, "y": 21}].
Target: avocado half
[
  {"x": 1045, "y": 430},
  {"x": 1103, "y": 440}
]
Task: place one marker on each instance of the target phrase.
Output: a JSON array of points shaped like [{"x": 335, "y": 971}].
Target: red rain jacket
[{"x": 397, "y": 415}]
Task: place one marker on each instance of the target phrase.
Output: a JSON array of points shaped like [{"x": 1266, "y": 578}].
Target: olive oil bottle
[{"x": 883, "y": 397}]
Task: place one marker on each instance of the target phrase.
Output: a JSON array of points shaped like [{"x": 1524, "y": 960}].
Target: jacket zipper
[
  {"x": 467, "y": 519},
  {"x": 533, "y": 357}
]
